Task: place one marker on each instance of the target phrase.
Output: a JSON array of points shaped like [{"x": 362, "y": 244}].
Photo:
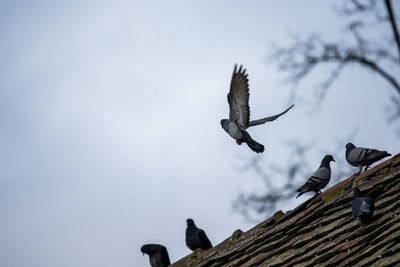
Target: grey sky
[{"x": 109, "y": 112}]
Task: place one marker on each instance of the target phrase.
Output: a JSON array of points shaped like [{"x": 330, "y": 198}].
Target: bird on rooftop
[
  {"x": 362, "y": 207},
  {"x": 239, "y": 111},
  {"x": 158, "y": 255},
  {"x": 319, "y": 179},
  {"x": 360, "y": 156},
  {"x": 195, "y": 237}
]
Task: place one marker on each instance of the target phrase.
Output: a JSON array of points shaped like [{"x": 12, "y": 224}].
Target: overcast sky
[{"x": 109, "y": 113}]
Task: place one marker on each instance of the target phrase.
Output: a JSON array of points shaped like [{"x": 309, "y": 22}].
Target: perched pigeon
[
  {"x": 362, "y": 207},
  {"x": 195, "y": 237},
  {"x": 158, "y": 255},
  {"x": 360, "y": 157},
  {"x": 239, "y": 111},
  {"x": 319, "y": 179}
]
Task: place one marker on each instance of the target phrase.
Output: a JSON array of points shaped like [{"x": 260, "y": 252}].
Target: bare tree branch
[
  {"x": 254, "y": 205},
  {"x": 375, "y": 67},
  {"x": 394, "y": 110},
  {"x": 298, "y": 60},
  {"x": 303, "y": 56},
  {"x": 393, "y": 23},
  {"x": 290, "y": 176},
  {"x": 356, "y": 7}
]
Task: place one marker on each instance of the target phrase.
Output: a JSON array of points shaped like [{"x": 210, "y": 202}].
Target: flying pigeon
[
  {"x": 195, "y": 237},
  {"x": 239, "y": 111},
  {"x": 319, "y": 179},
  {"x": 360, "y": 157},
  {"x": 158, "y": 255},
  {"x": 362, "y": 207}
]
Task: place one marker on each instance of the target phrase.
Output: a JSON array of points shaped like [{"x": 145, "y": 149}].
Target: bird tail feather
[
  {"x": 378, "y": 155},
  {"x": 303, "y": 189},
  {"x": 256, "y": 147}
]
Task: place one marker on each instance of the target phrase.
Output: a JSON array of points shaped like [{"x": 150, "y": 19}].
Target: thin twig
[{"x": 393, "y": 23}]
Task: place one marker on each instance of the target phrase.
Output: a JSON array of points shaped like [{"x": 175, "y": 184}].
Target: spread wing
[
  {"x": 270, "y": 118},
  {"x": 238, "y": 97}
]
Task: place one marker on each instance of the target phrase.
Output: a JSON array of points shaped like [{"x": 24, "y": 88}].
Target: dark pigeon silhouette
[
  {"x": 195, "y": 237},
  {"x": 362, "y": 207},
  {"x": 239, "y": 111},
  {"x": 319, "y": 179},
  {"x": 360, "y": 156},
  {"x": 158, "y": 255}
]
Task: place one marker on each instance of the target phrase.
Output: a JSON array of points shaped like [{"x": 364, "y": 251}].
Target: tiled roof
[{"x": 321, "y": 231}]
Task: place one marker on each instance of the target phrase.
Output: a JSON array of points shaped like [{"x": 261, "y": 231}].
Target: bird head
[
  {"x": 357, "y": 192},
  {"x": 223, "y": 122},
  {"x": 350, "y": 147},
  {"x": 190, "y": 222},
  {"x": 148, "y": 249},
  {"x": 328, "y": 158}
]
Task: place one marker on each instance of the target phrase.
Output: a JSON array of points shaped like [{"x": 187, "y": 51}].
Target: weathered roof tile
[{"x": 320, "y": 231}]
